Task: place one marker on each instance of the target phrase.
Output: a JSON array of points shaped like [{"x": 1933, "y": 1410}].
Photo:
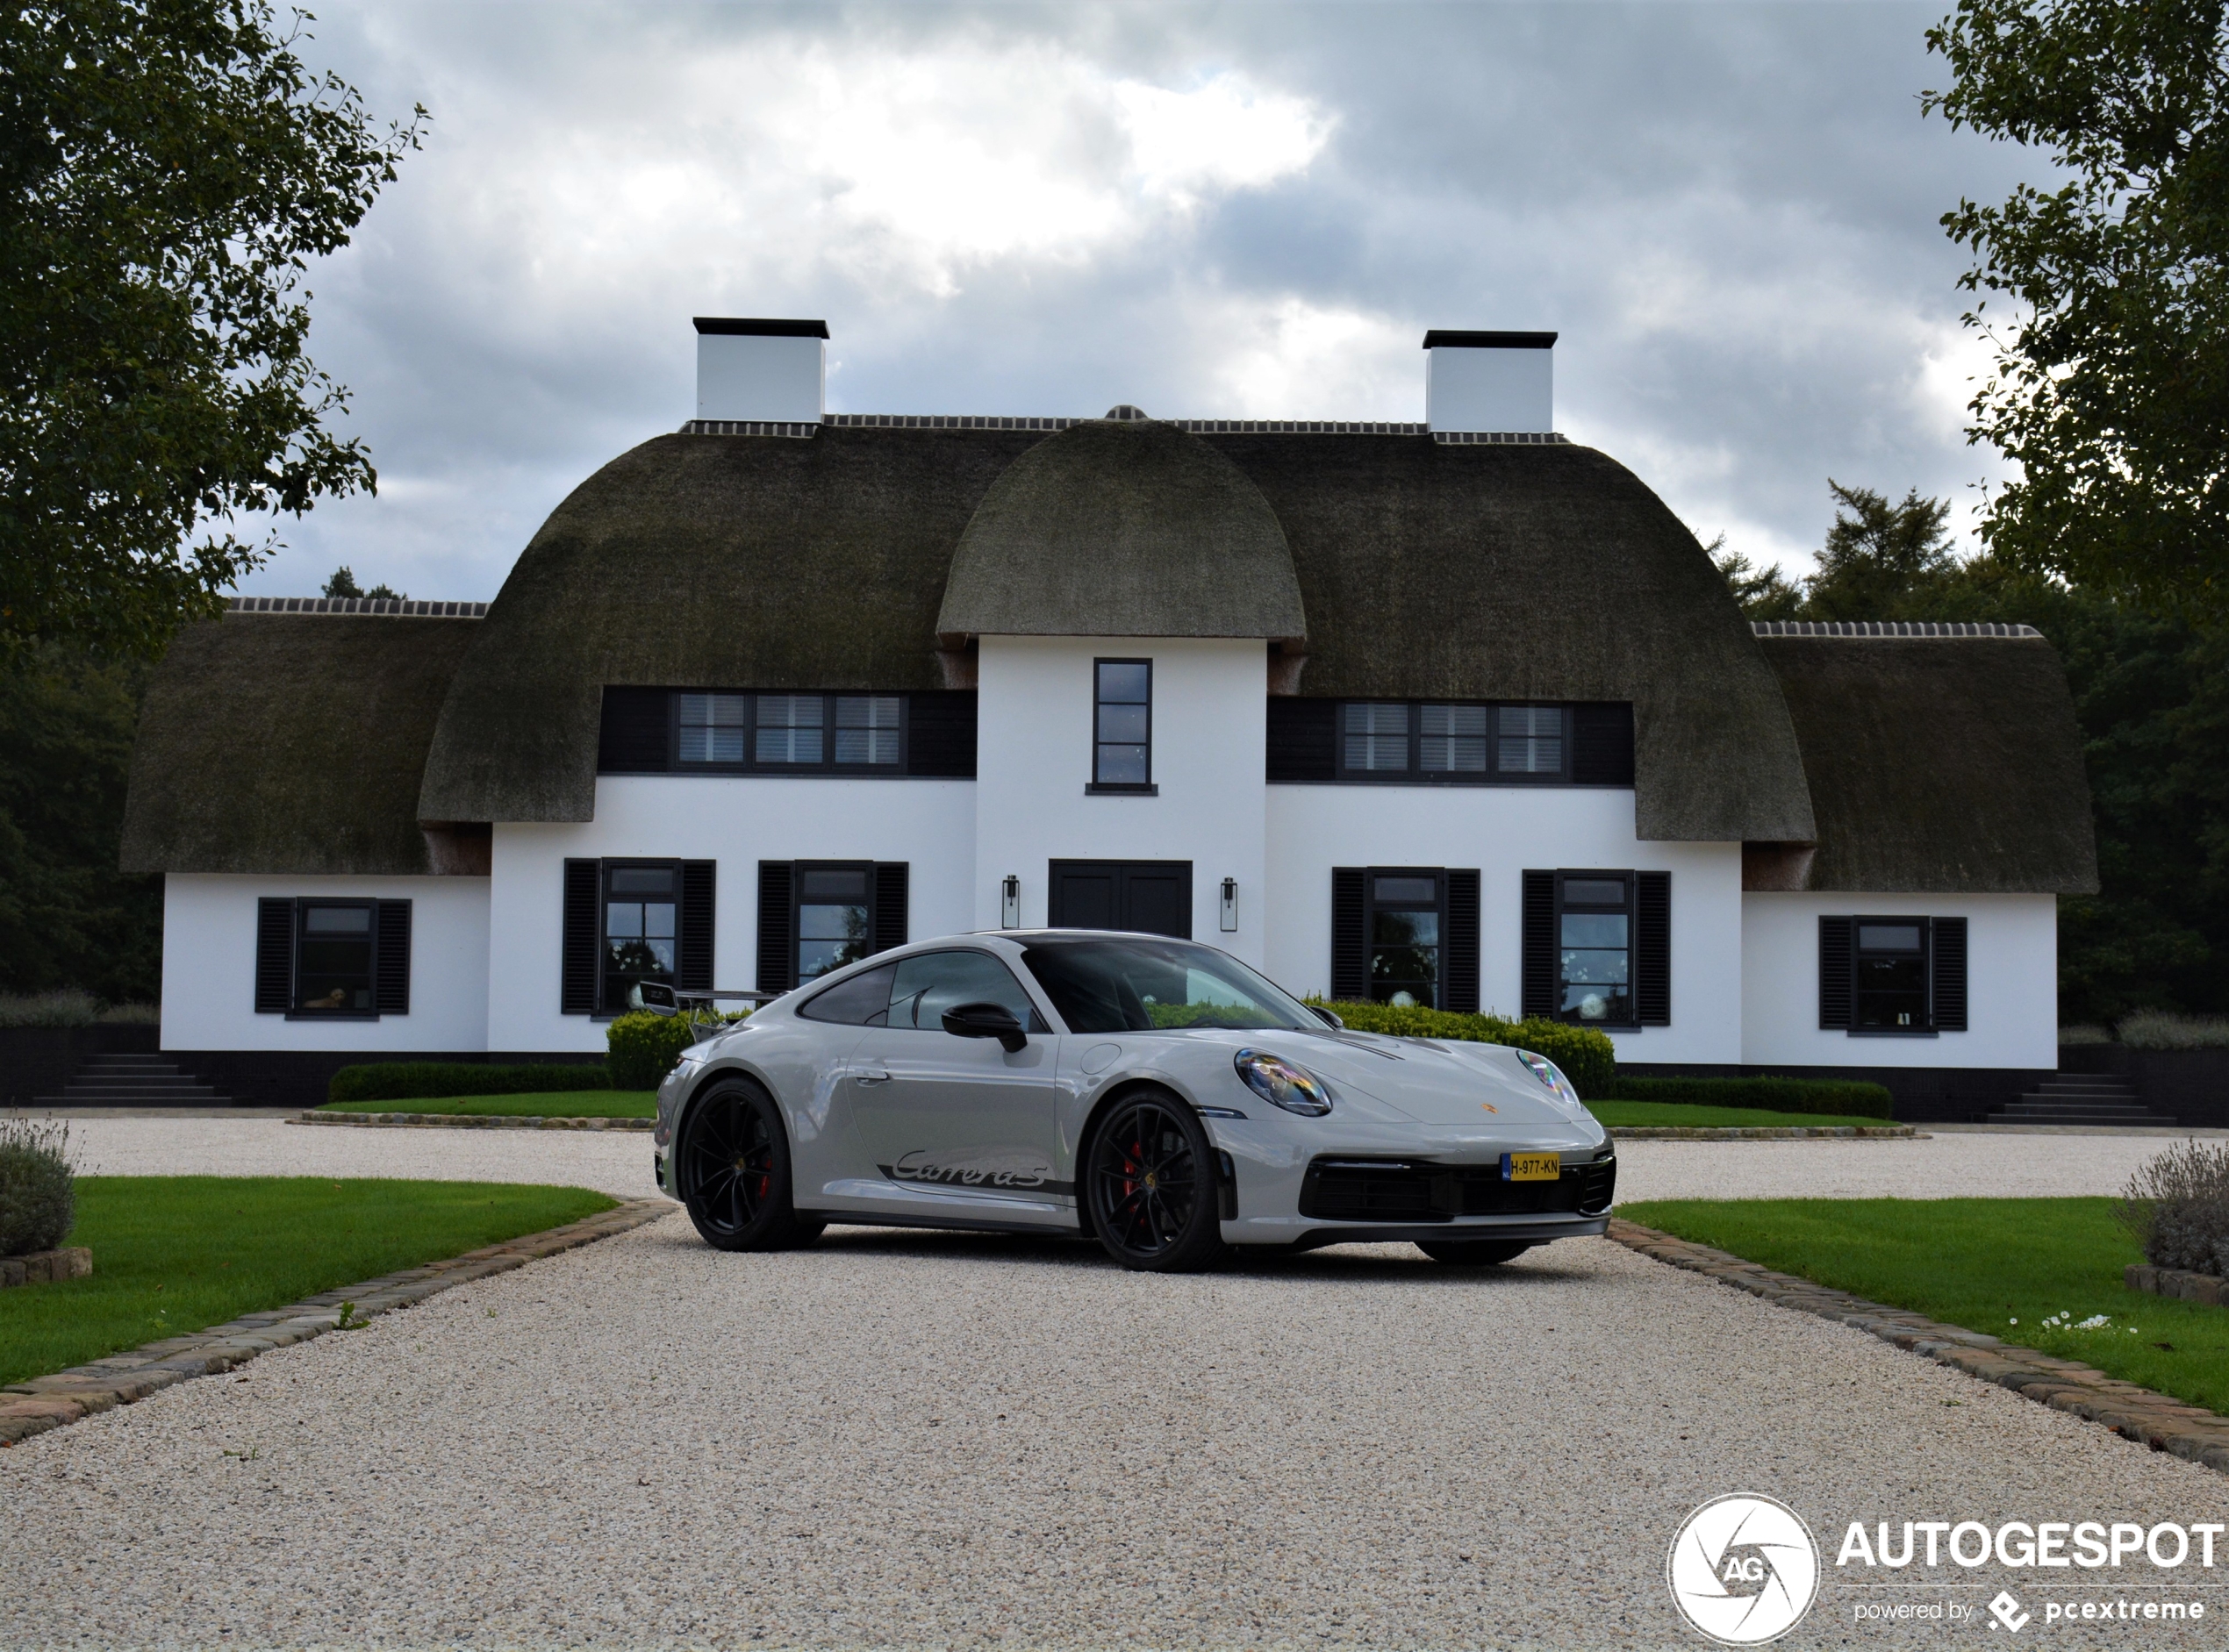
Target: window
[
  {"x": 1123, "y": 732},
  {"x": 834, "y": 919},
  {"x": 867, "y": 729},
  {"x": 789, "y": 728},
  {"x": 1882, "y": 976},
  {"x": 1406, "y": 936},
  {"x": 1596, "y": 947},
  {"x": 640, "y": 913},
  {"x": 1450, "y": 742},
  {"x": 1103, "y": 984},
  {"x": 931, "y": 983},
  {"x": 335, "y": 959},
  {"x": 714, "y": 728},
  {"x": 334, "y": 956}
]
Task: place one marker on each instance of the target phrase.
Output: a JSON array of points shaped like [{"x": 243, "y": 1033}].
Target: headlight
[
  {"x": 1283, "y": 1083},
  {"x": 1549, "y": 1074}
]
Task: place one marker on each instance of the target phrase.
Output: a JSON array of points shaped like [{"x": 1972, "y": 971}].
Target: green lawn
[
  {"x": 173, "y": 1254},
  {"x": 1982, "y": 1264},
  {"x": 564, "y": 1104},
  {"x": 1676, "y": 1113}
]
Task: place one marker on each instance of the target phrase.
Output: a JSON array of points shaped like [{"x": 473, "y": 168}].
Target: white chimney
[
  {"x": 1490, "y": 381},
  {"x": 774, "y": 371}
]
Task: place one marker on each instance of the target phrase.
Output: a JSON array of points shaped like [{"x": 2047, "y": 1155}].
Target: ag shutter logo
[{"x": 1743, "y": 1569}]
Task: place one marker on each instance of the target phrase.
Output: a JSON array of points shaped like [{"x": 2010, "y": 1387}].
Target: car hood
[{"x": 1431, "y": 1081}]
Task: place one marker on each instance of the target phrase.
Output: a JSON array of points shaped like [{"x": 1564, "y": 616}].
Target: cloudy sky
[{"x": 1729, "y": 211}]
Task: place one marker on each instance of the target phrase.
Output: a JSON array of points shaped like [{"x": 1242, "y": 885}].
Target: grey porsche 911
[{"x": 1158, "y": 1095}]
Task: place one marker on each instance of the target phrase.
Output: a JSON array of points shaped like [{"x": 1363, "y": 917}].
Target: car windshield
[{"x": 1109, "y": 983}]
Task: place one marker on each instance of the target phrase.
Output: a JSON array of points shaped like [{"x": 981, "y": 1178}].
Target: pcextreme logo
[{"x": 1743, "y": 1569}]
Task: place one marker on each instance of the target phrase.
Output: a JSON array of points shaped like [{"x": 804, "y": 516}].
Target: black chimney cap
[
  {"x": 759, "y": 327},
  {"x": 1439, "y": 336}
]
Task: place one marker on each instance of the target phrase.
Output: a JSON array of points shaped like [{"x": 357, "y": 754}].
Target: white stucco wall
[
  {"x": 738, "y": 822},
  {"x": 2012, "y": 982},
  {"x": 1034, "y": 759},
  {"x": 209, "y": 965},
  {"x": 1503, "y": 830}
]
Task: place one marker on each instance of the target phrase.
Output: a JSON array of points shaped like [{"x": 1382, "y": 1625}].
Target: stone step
[{"x": 116, "y": 1095}]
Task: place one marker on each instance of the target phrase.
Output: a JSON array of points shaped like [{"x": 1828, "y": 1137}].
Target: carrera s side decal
[{"x": 1017, "y": 1169}]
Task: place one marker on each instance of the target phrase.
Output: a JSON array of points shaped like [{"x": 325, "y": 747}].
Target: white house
[{"x": 1456, "y": 710}]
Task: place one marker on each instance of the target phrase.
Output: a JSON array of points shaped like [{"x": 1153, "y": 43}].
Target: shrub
[
  {"x": 413, "y": 1081},
  {"x": 2176, "y": 1206},
  {"x": 2164, "y": 1029},
  {"x": 2084, "y": 1034},
  {"x": 68, "y": 1007},
  {"x": 1587, "y": 1057},
  {"x": 1767, "y": 1094},
  {"x": 38, "y": 1194}
]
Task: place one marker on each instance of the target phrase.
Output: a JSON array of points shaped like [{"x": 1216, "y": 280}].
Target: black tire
[
  {"x": 733, "y": 1171},
  {"x": 1150, "y": 1189},
  {"x": 1473, "y": 1253}
]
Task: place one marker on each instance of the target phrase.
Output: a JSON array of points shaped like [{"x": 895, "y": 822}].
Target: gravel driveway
[{"x": 930, "y": 1440}]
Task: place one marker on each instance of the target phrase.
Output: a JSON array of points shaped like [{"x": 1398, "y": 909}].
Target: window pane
[
  {"x": 642, "y": 880},
  {"x": 723, "y": 710},
  {"x": 623, "y": 919},
  {"x": 1408, "y": 889},
  {"x": 711, "y": 745},
  {"x": 1892, "y": 993},
  {"x": 1595, "y": 965},
  {"x": 657, "y": 920},
  {"x": 1121, "y": 765},
  {"x": 1122, "y": 722},
  {"x": 1593, "y": 929},
  {"x": 1888, "y": 937},
  {"x": 1531, "y": 740},
  {"x": 332, "y": 961},
  {"x": 337, "y": 920},
  {"x": 1405, "y": 975},
  {"x": 1130, "y": 684},
  {"x": 1400, "y": 929},
  {"x": 835, "y": 885},
  {"x": 789, "y": 745},
  {"x": 1594, "y": 891},
  {"x": 861, "y": 1001},
  {"x": 1452, "y": 740},
  {"x": 1377, "y": 737},
  {"x": 933, "y": 982},
  {"x": 1604, "y": 1002},
  {"x": 830, "y": 935},
  {"x": 867, "y": 728},
  {"x": 789, "y": 728}
]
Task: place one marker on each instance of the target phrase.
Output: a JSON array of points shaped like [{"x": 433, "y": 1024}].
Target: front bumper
[{"x": 1538, "y": 1232}]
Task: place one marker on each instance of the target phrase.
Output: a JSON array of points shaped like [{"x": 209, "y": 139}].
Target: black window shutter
[
  {"x": 636, "y": 736},
  {"x": 1950, "y": 974},
  {"x": 1652, "y": 948},
  {"x": 940, "y": 733},
  {"x": 577, "y": 969},
  {"x": 692, "y": 962},
  {"x": 1601, "y": 745},
  {"x": 390, "y": 993},
  {"x": 890, "y": 880},
  {"x": 1349, "y": 939},
  {"x": 273, "y": 956},
  {"x": 1837, "y": 974},
  {"x": 777, "y": 951},
  {"x": 1537, "y": 945},
  {"x": 1459, "y": 968},
  {"x": 1303, "y": 739}
]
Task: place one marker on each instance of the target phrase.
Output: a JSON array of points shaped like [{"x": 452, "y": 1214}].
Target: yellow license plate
[{"x": 1531, "y": 1167}]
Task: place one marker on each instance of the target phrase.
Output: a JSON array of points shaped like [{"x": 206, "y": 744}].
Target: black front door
[{"x": 1153, "y": 897}]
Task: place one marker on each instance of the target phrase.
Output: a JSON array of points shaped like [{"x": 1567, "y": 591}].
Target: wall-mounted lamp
[
  {"x": 1010, "y": 902},
  {"x": 1230, "y": 906}
]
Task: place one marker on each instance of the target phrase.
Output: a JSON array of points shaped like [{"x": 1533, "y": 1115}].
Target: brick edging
[
  {"x": 2155, "y": 1419},
  {"x": 1767, "y": 1132},
  {"x": 34, "y": 1406},
  {"x": 44, "y": 1267},
  {"x": 2176, "y": 1283},
  {"x": 469, "y": 1121}
]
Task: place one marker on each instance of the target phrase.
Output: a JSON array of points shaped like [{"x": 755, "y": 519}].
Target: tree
[
  {"x": 1880, "y": 556},
  {"x": 167, "y": 169},
  {"x": 1763, "y": 592},
  {"x": 2111, "y": 388},
  {"x": 343, "y": 583}
]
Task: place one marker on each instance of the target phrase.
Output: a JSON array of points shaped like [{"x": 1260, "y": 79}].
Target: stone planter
[
  {"x": 2182, "y": 1285},
  {"x": 44, "y": 1267}
]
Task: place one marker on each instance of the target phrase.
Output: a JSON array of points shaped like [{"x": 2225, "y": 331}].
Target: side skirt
[{"x": 948, "y": 1224}]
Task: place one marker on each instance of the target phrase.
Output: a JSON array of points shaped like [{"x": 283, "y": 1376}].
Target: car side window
[
  {"x": 932, "y": 983},
  {"x": 861, "y": 1001}
]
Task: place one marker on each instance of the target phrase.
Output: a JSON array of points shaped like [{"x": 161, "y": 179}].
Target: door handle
[{"x": 873, "y": 1078}]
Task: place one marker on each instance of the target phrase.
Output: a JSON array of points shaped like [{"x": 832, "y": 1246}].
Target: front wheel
[
  {"x": 1150, "y": 1184},
  {"x": 1472, "y": 1253},
  {"x": 734, "y": 1171}
]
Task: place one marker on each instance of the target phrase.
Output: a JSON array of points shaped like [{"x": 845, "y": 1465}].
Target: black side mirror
[
  {"x": 1328, "y": 1016},
  {"x": 987, "y": 1020}
]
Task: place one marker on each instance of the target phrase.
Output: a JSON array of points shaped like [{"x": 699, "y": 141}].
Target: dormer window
[
  {"x": 1122, "y": 725},
  {"x": 715, "y": 729}
]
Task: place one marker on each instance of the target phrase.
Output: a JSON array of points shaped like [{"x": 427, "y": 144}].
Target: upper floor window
[
  {"x": 715, "y": 729},
  {"x": 657, "y": 731},
  {"x": 1529, "y": 740},
  {"x": 1448, "y": 740},
  {"x": 1122, "y": 731}
]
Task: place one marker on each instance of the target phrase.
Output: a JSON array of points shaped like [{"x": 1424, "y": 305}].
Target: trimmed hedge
[
  {"x": 643, "y": 1047},
  {"x": 1587, "y": 1057},
  {"x": 1771, "y": 1095},
  {"x": 418, "y": 1081}
]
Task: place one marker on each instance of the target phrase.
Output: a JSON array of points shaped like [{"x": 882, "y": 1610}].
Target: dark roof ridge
[
  {"x": 394, "y": 605},
  {"x": 1889, "y": 628},
  {"x": 1054, "y": 423}
]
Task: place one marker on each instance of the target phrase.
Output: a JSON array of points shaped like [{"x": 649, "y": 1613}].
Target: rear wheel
[
  {"x": 1472, "y": 1253},
  {"x": 1149, "y": 1185},
  {"x": 734, "y": 1171}
]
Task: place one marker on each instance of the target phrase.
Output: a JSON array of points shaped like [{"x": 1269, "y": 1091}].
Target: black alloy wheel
[
  {"x": 734, "y": 1171},
  {"x": 1473, "y": 1253},
  {"x": 1151, "y": 1187}
]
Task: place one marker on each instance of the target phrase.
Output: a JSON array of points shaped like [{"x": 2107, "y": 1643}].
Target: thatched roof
[
  {"x": 289, "y": 742},
  {"x": 1547, "y": 571},
  {"x": 1121, "y": 527},
  {"x": 1940, "y": 763},
  {"x": 731, "y": 561}
]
